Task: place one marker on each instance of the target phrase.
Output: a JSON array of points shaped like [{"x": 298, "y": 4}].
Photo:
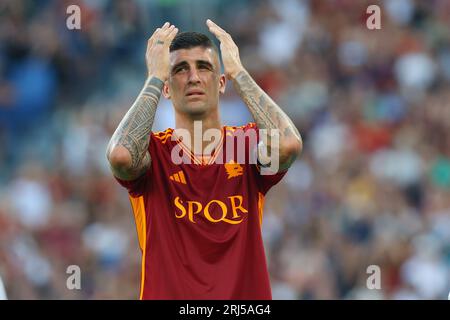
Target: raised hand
[
  {"x": 157, "y": 55},
  {"x": 230, "y": 51}
]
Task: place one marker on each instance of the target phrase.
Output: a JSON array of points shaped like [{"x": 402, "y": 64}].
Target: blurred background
[{"x": 372, "y": 186}]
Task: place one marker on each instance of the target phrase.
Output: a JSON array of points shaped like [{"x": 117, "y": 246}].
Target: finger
[
  {"x": 217, "y": 31},
  {"x": 209, "y": 22},
  {"x": 160, "y": 34},
  {"x": 167, "y": 28},
  {"x": 172, "y": 35},
  {"x": 167, "y": 31},
  {"x": 153, "y": 35},
  {"x": 156, "y": 31},
  {"x": 161, "y": 30},
  {"x": 166, "y": 36},
  {"x": 215, "y": 26}
]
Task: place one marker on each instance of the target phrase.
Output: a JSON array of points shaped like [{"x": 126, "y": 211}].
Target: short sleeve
[
  {"x": 139, "y": 186},
  {"x": 135, "y": 187},
  {"x": 267, "y": 181},
  {"x": 264, "y": 181}
]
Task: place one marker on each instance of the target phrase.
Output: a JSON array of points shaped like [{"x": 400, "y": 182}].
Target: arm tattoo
[
  {"x": 267, "y": 114},
  {"x": 134, "y": 129}
]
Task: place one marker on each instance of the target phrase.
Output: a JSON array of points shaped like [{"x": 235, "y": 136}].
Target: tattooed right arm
[
  {"x": 127, "y": 151},
  {"x": 128, "y": 148}
]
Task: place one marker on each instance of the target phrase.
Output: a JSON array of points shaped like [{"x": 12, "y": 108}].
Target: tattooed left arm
[{"x": 268, "y": 115}]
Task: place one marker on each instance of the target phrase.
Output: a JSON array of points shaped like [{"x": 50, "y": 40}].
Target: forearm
[
  {"x": 131, "y": 139},
  {"x": 268, "y": 115}
]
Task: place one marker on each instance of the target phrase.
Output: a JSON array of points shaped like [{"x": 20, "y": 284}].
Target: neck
[{"x": 193, "y": 123}]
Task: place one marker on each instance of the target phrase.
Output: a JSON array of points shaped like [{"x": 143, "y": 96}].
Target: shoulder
[
  {"x": 162, "y": 136},
  {"x": 231, "y": 130}
]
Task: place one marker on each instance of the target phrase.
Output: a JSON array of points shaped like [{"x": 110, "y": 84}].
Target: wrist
[
  {"x": 235, "y": 73},
  {"x": 155, "y": 81},
  {"x": 156, "y": 75}
]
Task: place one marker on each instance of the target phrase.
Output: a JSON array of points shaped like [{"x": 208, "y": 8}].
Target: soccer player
[{"x": 199, "y": 220}]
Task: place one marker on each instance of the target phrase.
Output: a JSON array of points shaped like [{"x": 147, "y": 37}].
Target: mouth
[{"x": 195, "y": 93}]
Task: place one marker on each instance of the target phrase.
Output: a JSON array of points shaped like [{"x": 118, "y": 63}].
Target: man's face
[{"x": 195, "y": 81}]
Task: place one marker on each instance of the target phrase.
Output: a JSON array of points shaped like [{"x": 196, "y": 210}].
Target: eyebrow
[
  {"x": 204, "y": 62},
  {"x": 198, "y": 62}
]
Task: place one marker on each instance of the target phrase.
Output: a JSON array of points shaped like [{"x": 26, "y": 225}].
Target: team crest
[{"x": 233, "y": 169}]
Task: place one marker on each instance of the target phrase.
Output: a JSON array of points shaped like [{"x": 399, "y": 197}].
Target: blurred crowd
[{"x": 371, "y": 188}]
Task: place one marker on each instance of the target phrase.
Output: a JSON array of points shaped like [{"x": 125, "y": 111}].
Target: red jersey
[{"x": 199, "y": 225}]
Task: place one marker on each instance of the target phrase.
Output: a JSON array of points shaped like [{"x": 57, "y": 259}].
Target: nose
[{"x": 193, "y": 76}]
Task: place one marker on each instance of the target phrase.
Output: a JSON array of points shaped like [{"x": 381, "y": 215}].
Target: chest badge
[{"x": 233, "y": 169}]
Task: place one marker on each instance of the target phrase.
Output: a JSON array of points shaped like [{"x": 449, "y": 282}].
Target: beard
[{"x": 195, "y": 107}]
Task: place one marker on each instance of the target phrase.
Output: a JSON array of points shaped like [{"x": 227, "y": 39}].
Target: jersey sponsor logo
[
  {"x": 178, "y": 177},
  {"x": 233, "y": 169},
  {"x": 229, "y": 211}
]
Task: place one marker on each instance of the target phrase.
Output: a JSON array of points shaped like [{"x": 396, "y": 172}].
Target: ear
[
  {"x": 165, "y": 90},
  {"x": 222, "y": 83}
]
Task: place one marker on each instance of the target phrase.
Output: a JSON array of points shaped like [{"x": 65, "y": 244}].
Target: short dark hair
[{"x": 191, "y": 39}]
